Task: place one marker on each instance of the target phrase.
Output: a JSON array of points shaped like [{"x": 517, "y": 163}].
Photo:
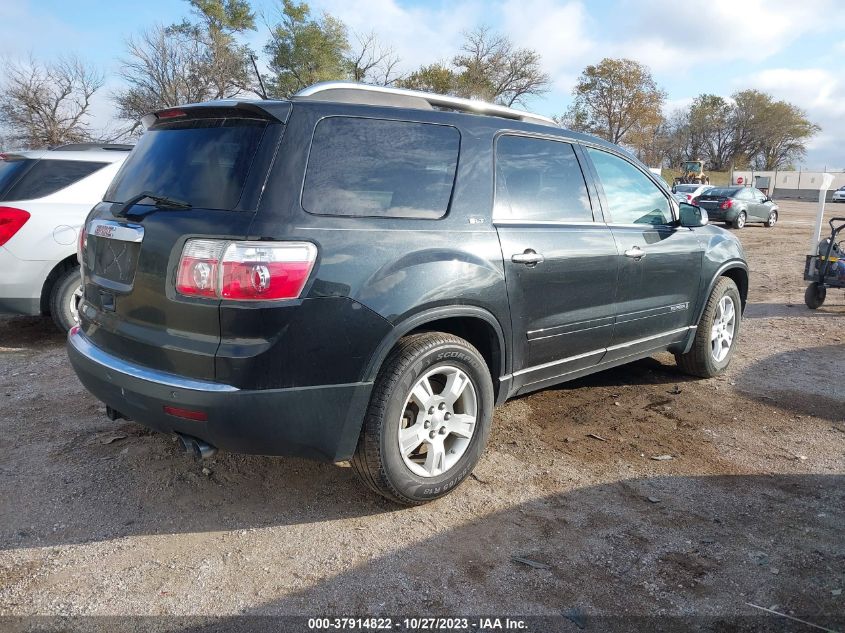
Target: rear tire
[
  {"x": 715, "y": 338},
  {"x": 815, "y": 295},
  {"x": 739, "y": 220},
  {"x": 412, "y": 392},
  {"x": 773, "y": 219},
  {"x": 64, "y": 299}
]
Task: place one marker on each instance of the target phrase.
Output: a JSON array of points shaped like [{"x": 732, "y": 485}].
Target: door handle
[
  {"x": 530, "y": 258},
  {"x": 635, "y": 252}
]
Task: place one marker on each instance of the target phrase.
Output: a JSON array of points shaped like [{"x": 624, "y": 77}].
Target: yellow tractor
[{"x": 692, "y": 172}]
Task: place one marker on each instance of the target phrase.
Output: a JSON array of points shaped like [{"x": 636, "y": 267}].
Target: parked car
[
  {"x": 839, "y": 194},
  {"x": 356, "y": 275},
  {"x": 736, "y": 206},
  {"x": 44, "y": 198},
  {"x": 687, "y": 193}
]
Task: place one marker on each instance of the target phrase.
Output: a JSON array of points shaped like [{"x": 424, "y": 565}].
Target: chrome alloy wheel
[
  {"x": 438, "y": 421},
  {"x": 75, "y": 298},
  {"x": 724, "y": 327}
]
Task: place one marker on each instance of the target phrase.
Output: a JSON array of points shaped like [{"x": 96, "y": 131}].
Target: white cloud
[{"x": 691, "y": 38}]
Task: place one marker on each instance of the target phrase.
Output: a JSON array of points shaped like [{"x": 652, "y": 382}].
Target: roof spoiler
[{"x": 277, "y": 111}]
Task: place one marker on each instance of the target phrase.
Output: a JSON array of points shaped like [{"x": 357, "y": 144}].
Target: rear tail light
[
  {"x": 689, "y": 196},
  {"x": 727, "y": 204},
  {"x": 245, "y": 271},
  {"x": 696, "y": 200},
  {"x": 11, "y": 221}
]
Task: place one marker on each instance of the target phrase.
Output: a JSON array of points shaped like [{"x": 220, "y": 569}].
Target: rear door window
[
  {"x": 204, "y": 162},
  {"x": 539, "y": 180},
  {"x": 12, "y": 168},
  {"x": 631, "y": 196},
  {"x": 48, "y": 176},
  {"x": 380, "y": 168}
]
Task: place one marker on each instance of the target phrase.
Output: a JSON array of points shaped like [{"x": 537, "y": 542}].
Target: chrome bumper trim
[{"x": 84, "y": 347}]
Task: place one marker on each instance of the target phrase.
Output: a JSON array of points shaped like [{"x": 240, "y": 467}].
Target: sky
[{"x": 791, "y": 49}]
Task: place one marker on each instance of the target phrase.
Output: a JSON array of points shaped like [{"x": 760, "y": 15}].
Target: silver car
[{"x": 839, "y": 194}]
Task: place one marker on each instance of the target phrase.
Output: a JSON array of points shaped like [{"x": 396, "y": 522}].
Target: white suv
[{"x": 45, "y": 196}]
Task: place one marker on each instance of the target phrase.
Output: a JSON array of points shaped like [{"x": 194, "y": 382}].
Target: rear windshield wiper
[{"x": 161, "y": 202}]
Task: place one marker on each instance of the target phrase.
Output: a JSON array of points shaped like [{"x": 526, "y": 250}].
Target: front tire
[
  {"x": 428, "y": 419},
  {"x": 715, "y": 338},
  {"x": 815, "y": 295},
  {"x": 64, "y": 299},
  {"x": 773, "y": 219},
  {"x": 739, "y": 220}
]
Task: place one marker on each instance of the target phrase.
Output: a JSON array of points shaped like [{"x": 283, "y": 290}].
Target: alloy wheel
[
  {"x": 722, "y": 332},
  {"x": 438, "y": 421}
]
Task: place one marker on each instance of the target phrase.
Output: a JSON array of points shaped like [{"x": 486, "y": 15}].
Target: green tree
[
  {"x": 436, "y": 77},
  {"x": 710, "y": 129},
  {"x": 304, "y": 50},
  {"x": 613, "y": 97},
  {"x": 188, "y": 62}
]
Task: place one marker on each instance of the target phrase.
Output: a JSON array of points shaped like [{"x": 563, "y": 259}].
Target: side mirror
[{"x": 692, "y": 216}]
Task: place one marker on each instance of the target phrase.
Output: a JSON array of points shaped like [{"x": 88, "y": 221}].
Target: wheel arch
[
  {"x": 474, "y": 324},
  {"x": 735, "y": 270},
  {"x": 47, "y": 288}
]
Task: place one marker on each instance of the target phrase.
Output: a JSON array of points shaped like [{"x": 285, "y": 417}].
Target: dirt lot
[{"x": 107, "y": 518}]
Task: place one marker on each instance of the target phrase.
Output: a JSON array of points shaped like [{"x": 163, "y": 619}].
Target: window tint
[
  {"x": 724, "y": 192},
  {"x": 539, "y": 180},
  {"x": 632, "y": 197},
  {"x": 686, "y": 188},
  {"x": 49, "y": 176},
  {"x": 373, "y": 167},
  {"x": 10, "y": 170},
  {"x": 201, "y": 161}
]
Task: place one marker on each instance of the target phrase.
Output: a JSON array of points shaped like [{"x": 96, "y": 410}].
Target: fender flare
[{"x": 414, "y": 321}]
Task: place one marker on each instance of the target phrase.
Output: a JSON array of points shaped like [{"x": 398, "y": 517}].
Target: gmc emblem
[{"x": 103, "y": 230}]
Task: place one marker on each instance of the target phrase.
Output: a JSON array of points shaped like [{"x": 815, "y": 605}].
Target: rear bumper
[{"x": 318, "y": 422}]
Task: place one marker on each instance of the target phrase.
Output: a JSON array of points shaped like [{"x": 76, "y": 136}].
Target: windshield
[
  {"x": 723, "y": 192},
  {"x": 204, "y": 162},
  {"x": 692, "y": 166}
]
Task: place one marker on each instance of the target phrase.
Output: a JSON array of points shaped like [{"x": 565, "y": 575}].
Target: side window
[
  {"x": 48, "y": 176},
  {"x": 746, "y": 194},
  {"x": 379, "y": 168},
  {"x": 539, "y": 180},
  {"x": 759, "y": 195},
  {"x": 632, "y": 197}
]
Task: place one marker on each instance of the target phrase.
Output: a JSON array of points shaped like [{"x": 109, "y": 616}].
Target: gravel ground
[{"x": 103, "y": 518}]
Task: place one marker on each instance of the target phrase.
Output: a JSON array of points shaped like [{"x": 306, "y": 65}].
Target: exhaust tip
[{"x": 196, "y": 448}]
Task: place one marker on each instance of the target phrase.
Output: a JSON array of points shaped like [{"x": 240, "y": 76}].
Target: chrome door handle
[
  {"x": 635, "y": 252},
  {"x": 530, "y": 258}
]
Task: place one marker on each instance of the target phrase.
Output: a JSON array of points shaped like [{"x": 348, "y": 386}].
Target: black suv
[{"x": 363, "y": 273}]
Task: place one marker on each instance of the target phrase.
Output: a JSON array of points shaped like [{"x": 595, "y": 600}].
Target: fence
[{"x": 789, "y": 184}]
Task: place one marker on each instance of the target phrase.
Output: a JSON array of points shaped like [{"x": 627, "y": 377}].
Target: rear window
[
  {"x": 722, "y": 192},
  {"x": 204, "y": 162},
  {"x": 379, "y": 168},
  {"x": 47, "y": 176},
  {"x": 686, "y": 188}
]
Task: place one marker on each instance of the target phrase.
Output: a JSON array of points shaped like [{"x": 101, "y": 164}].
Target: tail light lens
[
  {"x": 689, "y": 196},
  {"x": 727, "y": 204},
  {"x": 11, "y": 221},
  {"x": 696, "y": 200},
  {"x": 245, "y": 271}
]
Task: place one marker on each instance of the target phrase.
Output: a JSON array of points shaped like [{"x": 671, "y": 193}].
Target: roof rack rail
[
  {"x": 351, "y": 92},
  {"x": 83, "y": 147}
]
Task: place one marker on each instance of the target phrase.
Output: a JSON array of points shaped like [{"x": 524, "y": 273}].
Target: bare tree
[
  {"x": 372, "y": 62},
  {"x": 188, "y": 62},
  {"x": 48, "y": 103},
  {"x": 491, "y": 68}
]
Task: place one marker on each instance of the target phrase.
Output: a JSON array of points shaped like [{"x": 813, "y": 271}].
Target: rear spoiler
[{"x": 277, "y": 111}]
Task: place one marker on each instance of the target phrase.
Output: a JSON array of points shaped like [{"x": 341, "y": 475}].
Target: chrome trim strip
[
  {"x": 603, "y": 350},
  {"x": 112, "y": 230},
  {"x": 465, "y": 105},
  {"x": 84, "y": 347}
]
